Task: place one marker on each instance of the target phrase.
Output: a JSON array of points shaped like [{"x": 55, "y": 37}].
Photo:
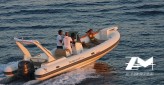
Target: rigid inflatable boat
[{"x": 57, "y": 61}]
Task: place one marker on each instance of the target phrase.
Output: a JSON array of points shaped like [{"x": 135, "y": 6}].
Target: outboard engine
[{"x": 26, "y": 70}]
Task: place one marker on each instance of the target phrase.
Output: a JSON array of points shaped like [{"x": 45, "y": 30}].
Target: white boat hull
[
  {"x": 75, "y": 65},
  {"x": 55, "y": 67}
]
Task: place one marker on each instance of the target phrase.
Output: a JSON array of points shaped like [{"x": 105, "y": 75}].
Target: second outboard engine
[{"x": 26, "y": 70}]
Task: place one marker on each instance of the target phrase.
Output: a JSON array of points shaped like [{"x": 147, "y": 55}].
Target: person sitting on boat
[
  {"x": 91, "y": 36},
  {"x": 73, "y": 36},
  {"x": 67, "y": 42},
  {"x": 59, "y": 39}
]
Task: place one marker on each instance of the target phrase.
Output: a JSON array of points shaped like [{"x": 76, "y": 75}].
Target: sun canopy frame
[{"x": 27, "y": 54}]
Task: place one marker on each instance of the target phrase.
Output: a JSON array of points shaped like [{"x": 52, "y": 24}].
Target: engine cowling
[{"x": 26, "y": 70}]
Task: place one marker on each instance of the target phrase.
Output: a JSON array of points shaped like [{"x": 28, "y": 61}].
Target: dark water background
[{"x": 141, "y": 24}]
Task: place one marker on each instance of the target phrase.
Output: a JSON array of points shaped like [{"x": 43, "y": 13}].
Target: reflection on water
[
  {"x": 106, "y": 75},
  {"x": 101, "y": 67}
]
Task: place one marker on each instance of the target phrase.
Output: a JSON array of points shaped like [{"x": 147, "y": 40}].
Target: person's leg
[
  {"x": 87, "y": 45},
  {"x": 95, "y": 41},
  {"x": 69, "y": 50}
]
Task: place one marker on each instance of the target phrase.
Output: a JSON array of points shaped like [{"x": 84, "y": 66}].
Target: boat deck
[{"x": 85, "y": 48}]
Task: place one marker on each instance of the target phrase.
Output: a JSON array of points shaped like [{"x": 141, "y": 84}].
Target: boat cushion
[{"x": 61, "y": 53}]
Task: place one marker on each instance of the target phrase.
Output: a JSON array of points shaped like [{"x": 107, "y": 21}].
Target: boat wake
[
  {"x": 70, "y": 78},
  {"x": 73, "y": 77}
]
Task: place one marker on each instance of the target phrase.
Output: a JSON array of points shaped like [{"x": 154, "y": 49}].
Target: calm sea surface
[{"x": 140, "y": 22}]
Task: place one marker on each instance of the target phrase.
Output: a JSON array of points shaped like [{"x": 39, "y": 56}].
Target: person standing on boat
[
  {"x": 67, "y": 42},
  {"x": 91, "y": 36},
  {"x": 59, "y": 39}
]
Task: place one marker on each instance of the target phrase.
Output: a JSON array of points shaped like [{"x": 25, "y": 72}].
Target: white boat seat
[
  {"x": 77, "y": 48},
  {"x": 38, "y": 61},
  {"x": 41, "y": 60}
]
